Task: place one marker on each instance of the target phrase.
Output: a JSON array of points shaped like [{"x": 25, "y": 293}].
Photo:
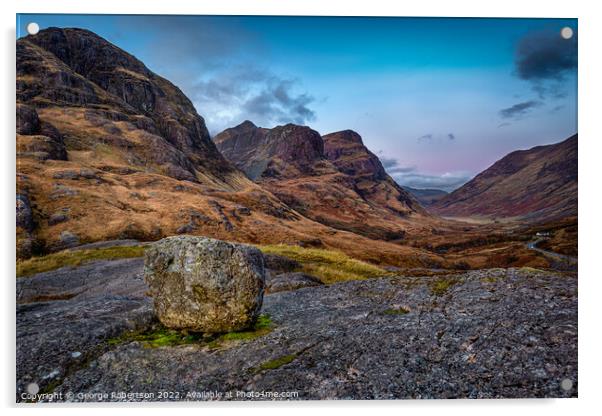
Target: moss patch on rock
[
  {"x": 439, "y": 287},
  {"x": 396, "y": 311},
  {"x": 160, "y": 336}
]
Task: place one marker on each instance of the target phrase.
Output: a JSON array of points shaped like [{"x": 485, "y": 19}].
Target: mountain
[
  {"x": 426, "y": 197},
  {"x": 539, "y": 183},
  {"x": 334, "y": 179},
  {"x": 107, "y": 149}
]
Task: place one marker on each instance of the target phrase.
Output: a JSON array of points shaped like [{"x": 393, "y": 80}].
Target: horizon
[{"x": 466, "y": 100}]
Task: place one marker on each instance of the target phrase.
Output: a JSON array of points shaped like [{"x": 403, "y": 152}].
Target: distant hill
[
  {"x": 332, "y": 179},
  {"x": 426, "y": 197},
  {"x": 539, "y": 183}
]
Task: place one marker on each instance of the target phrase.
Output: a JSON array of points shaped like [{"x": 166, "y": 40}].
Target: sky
[{"x": 437, "y": 99}]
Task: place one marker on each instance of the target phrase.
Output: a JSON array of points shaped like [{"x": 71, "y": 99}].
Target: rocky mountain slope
[
  {"x": 426, "y": 197},
  {"x": 106, "y": 149},
  {"x": 539, "y": 183},
  {"x": 479, "y": 334},
  {"x": 334, "y": 179}
]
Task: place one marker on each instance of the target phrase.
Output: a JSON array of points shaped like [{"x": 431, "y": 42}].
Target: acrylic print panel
[{"x": 252, "y": 208}]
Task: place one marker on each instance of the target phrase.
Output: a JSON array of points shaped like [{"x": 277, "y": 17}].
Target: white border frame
[{"x": 590, "y": 72}]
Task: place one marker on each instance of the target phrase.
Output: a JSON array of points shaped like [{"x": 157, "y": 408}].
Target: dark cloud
[
  {"x": 227, "y": 85},
  {"x": 545, "y": 55},
  {"x": 239, "y": 94},
  {"x": 451, "y": 136},
  {"x": 277, "y": 103},
  {"x": 519, "y": 109},
  {"x": 544, "y": 59},
  {"x": 409, "y": 176},
  {"x": 425, "y": 137},
  {"x": 504, "y": 124}
]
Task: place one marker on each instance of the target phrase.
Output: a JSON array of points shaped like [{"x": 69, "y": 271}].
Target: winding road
[{"x": 532, "y": 245}]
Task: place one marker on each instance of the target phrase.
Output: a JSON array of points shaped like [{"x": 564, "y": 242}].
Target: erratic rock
[{"x": 205, "y": 285}]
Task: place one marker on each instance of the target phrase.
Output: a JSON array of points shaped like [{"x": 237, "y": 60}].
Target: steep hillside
[
  {"x": 334, "y": 180},
  {"x": 539, "y": 183},
  {"x": 106, "y": 149}
]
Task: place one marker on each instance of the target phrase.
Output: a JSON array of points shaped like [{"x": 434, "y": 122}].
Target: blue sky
[{"x": 438, "y": 100}]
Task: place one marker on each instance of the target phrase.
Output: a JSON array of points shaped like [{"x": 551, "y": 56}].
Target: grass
[
  {"x": 440, "y": 286},
  {"x": 74, "y": 258},
  {"x": 276, "y": 363},
  {"x": 328, "y": 265},
  {"x": 396, "y": 311},
  {"x": 161, "y": 336},
  {"x": 262, "y": 326}
]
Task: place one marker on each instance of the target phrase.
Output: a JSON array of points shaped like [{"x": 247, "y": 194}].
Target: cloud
[
  {"x": 387, "y": 162},
  {"x": 436, "y": 137},
  {"x": 242, "y": 93},
  {"x": 544, "y": 59},
  {"x": 504, "y": 124},
  {"x": 278, "y": 103},
  {"x": 409, "y": 176},
  {"x": 220, "y": 74},
  {"x": 519, "y": 109}
]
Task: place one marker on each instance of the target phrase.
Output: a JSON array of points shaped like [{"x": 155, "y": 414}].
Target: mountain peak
[{"x": 345, "y": 135}]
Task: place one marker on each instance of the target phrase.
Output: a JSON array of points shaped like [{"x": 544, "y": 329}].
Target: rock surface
[
  {"x": 479, "y": 334},
  {"x": 290, "y": 281},
  {"x": 69, "y": 311},
  {"x": 205, "y": 285}
]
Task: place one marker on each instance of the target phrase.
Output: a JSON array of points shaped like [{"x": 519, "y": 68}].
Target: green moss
[
  {"x": 75, "y": 258},
  {"x": 396, "y": 311},
  {"x": 164, "y": 337},
  {"x": 263, "y": 326},
  {"x": 159, "y": 337},
  {"x": 328, "y": 265},
  {"x": 440, "y": 286},
  {"x": 276, "y": 363}
]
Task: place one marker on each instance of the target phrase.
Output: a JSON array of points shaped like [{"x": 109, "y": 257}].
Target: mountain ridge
[{"x": 536, "y": 183}]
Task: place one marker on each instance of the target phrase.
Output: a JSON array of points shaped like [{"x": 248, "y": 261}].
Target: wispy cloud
[
  {"x": 519, "y": 109},
  {"x": 410, "y": 176},
  {"x": 436, "y": 137}
]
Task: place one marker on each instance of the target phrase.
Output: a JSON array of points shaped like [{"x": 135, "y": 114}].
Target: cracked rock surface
[{"x": 478, "y": 334}]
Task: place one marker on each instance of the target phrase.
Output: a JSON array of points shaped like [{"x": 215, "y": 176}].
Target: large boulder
[{"x": 205, "y": 285}]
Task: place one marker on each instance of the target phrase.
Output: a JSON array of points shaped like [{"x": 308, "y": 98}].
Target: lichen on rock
[{"x": 205, "y": 285}]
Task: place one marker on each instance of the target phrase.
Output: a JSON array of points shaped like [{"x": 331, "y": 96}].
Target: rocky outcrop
[
  {"x": 77, "y": 68},
  {"x": 67, "y": 316},
  {"x": 536, "y": 184},
  {"x": 290, "y": 281},
  {"x": 205, "y": 285},
  {"x": 334, "y": 179},
  {"x": 282, "y": 152},
  {"x": 481, "y": 334},
  {"x": 347, "y": 151}
]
